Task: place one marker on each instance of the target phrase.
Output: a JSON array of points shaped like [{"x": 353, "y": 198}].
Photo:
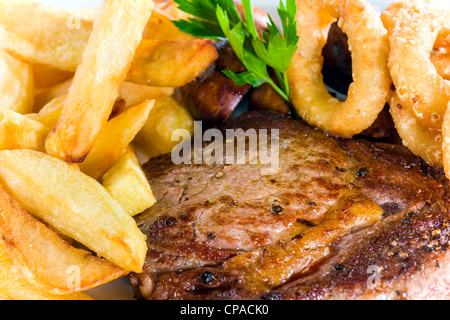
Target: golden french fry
[
  {"x": 161, "y": 27},
  {"x": 166, "y": 116},
  {"x": 97, "y": 80},
  {"x": 44, "y": 97},
  {"x": 114, "y": 139},
  {"x": 45, "y": 77},
  {"x": 50, "y": 114},
  {"x": 20, "y": 132},
  {"x": 133, "y": 94},
  {"x": 16, "y": 84},
  {"x": 50, "y": 263},
  {"x": 74, "y": 204},
  {"x": 14, "y": 286},
  {"x": 126, "y": 182},
  {"x": 171, "y": 63},
  {"x": 47, "y": 38}
]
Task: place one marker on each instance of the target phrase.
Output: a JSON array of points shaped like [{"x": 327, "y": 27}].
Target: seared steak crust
[{"x": 335, "y": 212}]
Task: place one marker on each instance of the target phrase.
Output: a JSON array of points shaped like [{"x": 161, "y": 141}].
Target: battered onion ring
[
  {"x": 440, "y": 58},
  {"x": 420, "y": 140},
  {"x": 368, "y": 43},
  {"x": 417, "y": 82},
  {"x": 446, "y": 142},
  {"x": 400, "y": 13}
]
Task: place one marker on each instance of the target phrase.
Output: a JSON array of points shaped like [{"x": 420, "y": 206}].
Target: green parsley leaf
[{"x": 274, "y": 49}]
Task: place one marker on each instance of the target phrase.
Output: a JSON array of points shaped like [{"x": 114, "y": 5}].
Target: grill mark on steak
[{"x": 316, "y": 173}]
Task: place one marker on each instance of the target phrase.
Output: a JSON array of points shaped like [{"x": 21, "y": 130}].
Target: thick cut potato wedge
[
  {"x": 14, "y": 286},
  {"x": 115, "y": 138},
  {"x": 20, "y": 132},
  {"x": 74, "y": 204},
  {"x": 46, "y": 260},
  {"x": 96, "y": 84},
  {"x": 166, "y": 116},
  {"x": 171, "y": 63},
  {"x": 16, "y": 84},
  {"x": 126, "y": 182}
]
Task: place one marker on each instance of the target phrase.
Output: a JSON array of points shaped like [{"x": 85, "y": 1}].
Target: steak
[{"x": 339, "y": 219}]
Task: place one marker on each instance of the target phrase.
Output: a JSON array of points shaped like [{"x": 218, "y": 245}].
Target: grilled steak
[{"x": 340, "y": 219}]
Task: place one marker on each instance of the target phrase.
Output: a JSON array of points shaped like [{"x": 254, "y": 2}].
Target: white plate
[{"x": 121, "y": 289}]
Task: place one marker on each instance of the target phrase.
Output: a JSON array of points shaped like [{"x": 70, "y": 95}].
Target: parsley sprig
[{"x": 274, "y": 49}]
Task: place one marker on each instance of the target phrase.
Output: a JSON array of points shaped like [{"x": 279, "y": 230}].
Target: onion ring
[
  {"x": 446, "y": 142},
  {"x": 440, "y": 58},
  {"x": 417, "y": 82},
  {"x": 369, "y": 45},
  {"x": 419, "y": 139},
  {"x": 400, "y": 13}
]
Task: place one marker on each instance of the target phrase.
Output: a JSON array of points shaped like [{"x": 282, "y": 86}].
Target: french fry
[
  {"x": 161, "y": 27},
  {"x": 128, "y": 122},
  {"x": 45, "y": 77},
  {"x": 14, "y": 286},
  {"x": 47, "y": 39},
  {"x": 114, "y": 139},
  {"x": 133, "y": 94},
  {"x": 166, "y": 116},
  {"x": 20, "y": 132},
  {"x": 97, "y": 81},
  {"x": 16, "y": 84},
  {"x": 74, "y": 204},
  {"x": 126, "y": 182},
  {"x": 44, "y": 97},
  {"x": 171, "y": 63},
  {"x": 49, "y": 263},
  {"x": 50, "y": 114}
]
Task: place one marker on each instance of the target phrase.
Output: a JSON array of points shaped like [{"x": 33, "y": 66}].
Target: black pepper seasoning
[
  {"x": 338, "y": 267},
  {"x": 277, "y": 209},
  {"x": 207, "y": 277},
  {"x": 361, "y": 172}
]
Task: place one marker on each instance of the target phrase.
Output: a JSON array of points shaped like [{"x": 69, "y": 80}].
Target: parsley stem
[{"x": 279, "y": 90}]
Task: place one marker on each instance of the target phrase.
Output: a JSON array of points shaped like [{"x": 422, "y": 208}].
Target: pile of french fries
[{"x": 80, "y": 92}]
